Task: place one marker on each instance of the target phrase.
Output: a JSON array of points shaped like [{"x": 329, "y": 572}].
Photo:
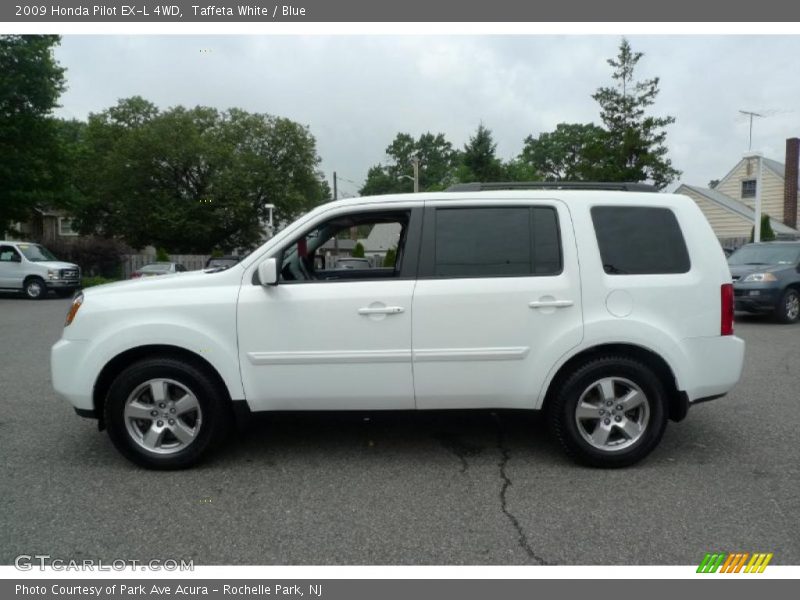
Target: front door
[
  {"x": 334, "y": 333},
  {"x": 10, "y": 268}
]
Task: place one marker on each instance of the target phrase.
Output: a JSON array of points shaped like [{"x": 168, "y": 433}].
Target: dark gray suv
[{"x": 766, "y": 279}]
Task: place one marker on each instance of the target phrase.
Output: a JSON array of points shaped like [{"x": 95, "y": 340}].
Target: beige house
[{"x": 730, "y": 205}]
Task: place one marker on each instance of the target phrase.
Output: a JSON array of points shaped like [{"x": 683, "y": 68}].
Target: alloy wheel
[
  {"x": 612, "y": 414},
  {"x": 163, "y": 416}
]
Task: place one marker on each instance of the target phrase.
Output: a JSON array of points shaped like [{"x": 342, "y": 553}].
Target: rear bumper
[{"x": 715, "y": 366}]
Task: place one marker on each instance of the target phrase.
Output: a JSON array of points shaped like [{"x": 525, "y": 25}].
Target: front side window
[
  {"x": 8, "y": 254},
  {"x": 637, "y": 240},
  {"x": 355, "y": 246},
  {"x": 496, "y": 242}
]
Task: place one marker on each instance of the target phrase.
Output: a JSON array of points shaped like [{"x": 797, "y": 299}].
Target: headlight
[
  {"x": 52, "y": 274},
  {"x": 760, "y": 277},
  {"x": 73, "y": 310}
]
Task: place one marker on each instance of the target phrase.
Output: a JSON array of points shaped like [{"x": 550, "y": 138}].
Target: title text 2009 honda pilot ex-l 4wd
[{"x": 611, "y": 310}]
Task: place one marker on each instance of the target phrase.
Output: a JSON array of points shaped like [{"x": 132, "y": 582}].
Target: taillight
[{"x": 726, "y": 304}]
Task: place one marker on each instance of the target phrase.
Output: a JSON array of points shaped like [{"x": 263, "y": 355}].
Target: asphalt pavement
[{"x": 441, "y": 488}]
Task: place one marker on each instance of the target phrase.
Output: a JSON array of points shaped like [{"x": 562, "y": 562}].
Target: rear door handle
[
  {"x": 550, "y": 303},
  {"x": 383, "y": 310}
]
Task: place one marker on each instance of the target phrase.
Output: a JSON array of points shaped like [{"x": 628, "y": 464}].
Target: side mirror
[{"x": 268, "y": 272}]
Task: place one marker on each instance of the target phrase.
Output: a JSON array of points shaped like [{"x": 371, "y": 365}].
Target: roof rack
[{"x": 551, "y": 185}]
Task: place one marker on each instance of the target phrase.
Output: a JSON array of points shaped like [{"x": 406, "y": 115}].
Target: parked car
[
  {"x": 352, "y": 263},
  {"x": 33, "y": 270},
  {"x": 158, "y": 268},
  {"x": 222, "y": 262},
  {"x": 766, "y": 279},
  {"x": 605, "y": 308}
]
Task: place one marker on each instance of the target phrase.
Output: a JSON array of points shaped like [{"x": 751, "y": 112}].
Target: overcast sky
[{"x": 356, "y": 92}]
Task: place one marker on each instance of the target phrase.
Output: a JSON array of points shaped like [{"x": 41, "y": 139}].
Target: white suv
[{"x": 611, "y": 310}]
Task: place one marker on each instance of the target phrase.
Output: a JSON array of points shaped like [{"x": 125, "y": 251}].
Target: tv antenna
[{"x": 751, "y": 114}]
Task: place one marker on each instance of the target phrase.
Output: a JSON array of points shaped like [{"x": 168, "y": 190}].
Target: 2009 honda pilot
[{"x": 612, "y": 310}]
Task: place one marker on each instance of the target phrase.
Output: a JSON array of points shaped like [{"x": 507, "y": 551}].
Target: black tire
[
  {"x": 620, "y": 449},
  {"x": 788, "y": 308},
  {"x": 212, "y": 420},
  {"x": 34, "y": 288}
]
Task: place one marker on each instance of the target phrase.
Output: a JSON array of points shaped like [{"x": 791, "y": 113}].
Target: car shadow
[{"x": 462, "y": 433}]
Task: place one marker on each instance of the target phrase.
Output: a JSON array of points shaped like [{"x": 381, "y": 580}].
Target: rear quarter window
[{"x": 638, "y": 240}]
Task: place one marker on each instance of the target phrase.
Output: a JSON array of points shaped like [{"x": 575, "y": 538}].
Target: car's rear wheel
[
  {"x": 611, "y": 412},
  {"x": 788, "y": 308},
  {"x": 34, "y": 288},
  {"x": 164, "y": 413}
]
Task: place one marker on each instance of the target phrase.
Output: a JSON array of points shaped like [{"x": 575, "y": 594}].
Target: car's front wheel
[
  {"x": 788, "y": 308},
  {"x": 164, "y": 413},
  {"x": 611, "y": 412},
  {"x": 35, "y": 288}
]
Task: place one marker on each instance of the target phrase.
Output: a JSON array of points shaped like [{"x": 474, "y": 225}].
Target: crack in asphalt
[
  {"x": 459, "y": 447},
  {"x": 522, "y": 538}
]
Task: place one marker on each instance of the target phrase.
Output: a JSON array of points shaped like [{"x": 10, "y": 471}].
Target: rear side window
[
  {"x": 496, "y": 242},
  {"x": 636, "y": 240}
]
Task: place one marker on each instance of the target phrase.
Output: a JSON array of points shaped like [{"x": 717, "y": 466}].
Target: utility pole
[
  {"x": 415, "y": 162},
  {"x": 335, "y": 235},
  {"x": 750, "y": 114},
  {"x": 757, "y": 224}
]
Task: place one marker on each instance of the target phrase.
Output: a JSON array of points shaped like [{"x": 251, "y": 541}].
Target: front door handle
[
  {"x": 382, "y": 310},
  {"x": 550, "y": 303}
]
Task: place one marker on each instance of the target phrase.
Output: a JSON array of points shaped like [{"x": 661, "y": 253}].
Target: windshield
[
  {"x": 755, "y": 254},
  {"x": 35, "y": 252},
  {"x": 221, "y": 262},
  {"x": 156, "y": 268}
]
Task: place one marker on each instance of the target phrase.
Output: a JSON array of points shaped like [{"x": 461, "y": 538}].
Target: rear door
[{"x": 497, "y": 302}]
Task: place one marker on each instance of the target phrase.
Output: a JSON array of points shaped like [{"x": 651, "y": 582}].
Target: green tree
[
  {"x": 390, "y": 258},
  {"x": 30, "y": 167},
  {"x": 636, "y": 149},
  {"x": 358, "y": 250},
  {"x": 478, "y": 159},
  {"x": 767, "y": 233},
  {"x": 193, "y": 179},
  {"x": 437, "y": 163},
  {"x": 573, "y": 152}
]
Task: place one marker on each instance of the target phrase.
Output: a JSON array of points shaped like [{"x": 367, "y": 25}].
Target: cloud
[{"x": 356, "y": 92}]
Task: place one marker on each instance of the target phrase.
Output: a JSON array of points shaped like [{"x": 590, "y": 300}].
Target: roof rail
[{"x": 551, "y": 185}]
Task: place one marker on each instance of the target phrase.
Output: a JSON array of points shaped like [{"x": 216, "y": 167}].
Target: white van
[
  {"x": 611, "y": 309},
  {"x": 33, "y": 270}
]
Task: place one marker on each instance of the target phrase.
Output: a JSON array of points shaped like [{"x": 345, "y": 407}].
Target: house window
[
  {"x": 65, "y": 226},
  {"x": 749, "y": 188}
]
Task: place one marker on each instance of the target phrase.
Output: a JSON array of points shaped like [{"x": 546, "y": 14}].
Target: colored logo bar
[{"x": 736, "y": 562}]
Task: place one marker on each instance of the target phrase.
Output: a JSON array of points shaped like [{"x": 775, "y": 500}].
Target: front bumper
[
  {"x": 755, "y": 297},
  {"x": 63, "y": 284},
  {"x": 69, "y": 374}
]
